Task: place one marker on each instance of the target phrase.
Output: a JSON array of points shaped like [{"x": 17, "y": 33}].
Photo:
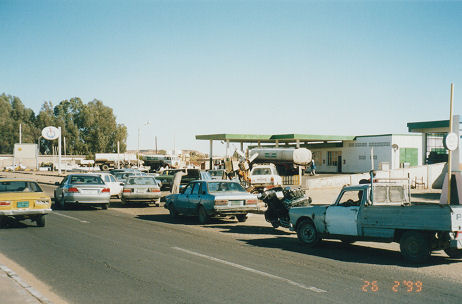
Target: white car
[
  {"x": 265, "y": 176},
  {"x": 112, "y": 183}
]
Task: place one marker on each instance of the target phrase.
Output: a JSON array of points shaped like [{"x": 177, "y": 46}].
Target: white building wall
[{"x": 356, "y": 155}]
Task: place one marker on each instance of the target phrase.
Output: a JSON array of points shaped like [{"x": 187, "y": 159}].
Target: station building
[{"x": 354, "y": 154}]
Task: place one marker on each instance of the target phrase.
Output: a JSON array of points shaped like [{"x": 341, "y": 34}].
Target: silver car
[
  {"x": 144, "y": 189},
  {"x": 85, "y": 189}
]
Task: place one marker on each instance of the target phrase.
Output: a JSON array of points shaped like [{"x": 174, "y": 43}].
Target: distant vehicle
[
  {"x": 83, "y": 189},
  {"x": 382, "y": 213},
  {"x": 286, "y": 160},
  {"x": 141, "y": 189},
  {"x": 217, "y": 174},
  {"x": 264, "y": 176},
  {"x": 212, "y": 198},
  {"x": 114, "y": 185},
  {"x": 122, "y": 176},
  {"x": 22, "y": 199},
  {"x": 107, "y": 161},
  {"x": 157, "y": 161}
]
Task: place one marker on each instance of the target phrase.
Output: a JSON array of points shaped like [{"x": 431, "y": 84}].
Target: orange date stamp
[{"x": 396, "y": 287}]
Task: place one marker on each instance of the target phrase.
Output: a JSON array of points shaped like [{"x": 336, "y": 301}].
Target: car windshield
[
  {"x": 86, "y": 179},
  {"x": 225, "y": 187},
  {"x": 261, "y": 171},
  {"x": 19, "y": 186},
  {"x": 143, "y": 180}
]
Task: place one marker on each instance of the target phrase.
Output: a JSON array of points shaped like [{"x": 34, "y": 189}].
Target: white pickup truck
[
  {"x": 264, "y": 176},
  {"x": 384, "y": 214}
]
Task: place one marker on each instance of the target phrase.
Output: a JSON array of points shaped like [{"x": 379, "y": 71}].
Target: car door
[
  {"x": 59, "y": 189},
  {"x": 194, "y": 198},
  {"x": 181, "y": 202},
  {"x": 342, "y": 217}
]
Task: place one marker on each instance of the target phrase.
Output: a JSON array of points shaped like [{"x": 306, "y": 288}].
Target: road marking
[
  {"x": 272, "y": 276},
  {"x": 71, "y": 217}
]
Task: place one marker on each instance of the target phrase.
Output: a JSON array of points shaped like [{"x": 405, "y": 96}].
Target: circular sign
[
  {"x": 451, "y": 141},
  {"x": 50, "y": 133}
]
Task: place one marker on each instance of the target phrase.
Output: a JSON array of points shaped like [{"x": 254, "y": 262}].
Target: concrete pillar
[
  {"x": 211, "y": 155},
  {"x": 297, "y": 144},
  {"x": 277, "y": 143},
  {"x": 227, "y": 148},
  {"x": 242, "y": 147}
]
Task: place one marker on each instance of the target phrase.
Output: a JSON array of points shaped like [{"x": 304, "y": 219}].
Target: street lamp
[{"x": 139, "y": 135}]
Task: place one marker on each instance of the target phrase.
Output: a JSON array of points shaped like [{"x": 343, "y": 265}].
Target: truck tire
[
  {"x": 415, "y": 246},
  {"x": 454, "y": 253},
  {"x": 307, "y": 233},
  {"x": 105, "y": 167},
  {"x": 241, "y": 218}
]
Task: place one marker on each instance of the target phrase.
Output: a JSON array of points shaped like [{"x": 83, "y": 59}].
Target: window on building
[{"x": 332, "y": 157}]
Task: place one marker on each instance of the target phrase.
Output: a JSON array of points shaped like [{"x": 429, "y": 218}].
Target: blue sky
[{"x": 270, "y": 67}]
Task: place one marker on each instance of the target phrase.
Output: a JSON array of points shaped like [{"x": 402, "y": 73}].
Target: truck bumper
[{"x": 456, "y": 244}]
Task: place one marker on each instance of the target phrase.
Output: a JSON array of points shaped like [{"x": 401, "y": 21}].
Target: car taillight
[
  {"x": 458, "y": 235},
  {"x": 128, "y": 190},
  {"x": 251, "y": 202},
  {"x": 272, "y": 179},
  {"x": 72, "y": 189},
  {"x": 153, "y": 190},
  {"x": 106, "y": 190},
  {"x": 221, "y": 202},
  {"x": 5, "y": 203}
]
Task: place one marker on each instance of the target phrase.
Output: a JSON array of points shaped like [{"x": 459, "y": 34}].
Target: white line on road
[
  {"x": 272, "y": 276},
  {"x": 71, "y": 217}
]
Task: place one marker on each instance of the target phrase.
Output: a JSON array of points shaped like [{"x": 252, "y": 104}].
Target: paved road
[{"x": 141, "y": 255}]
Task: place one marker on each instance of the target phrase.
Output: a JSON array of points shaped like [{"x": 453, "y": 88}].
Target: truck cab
[{"x": 382, "y": 213}]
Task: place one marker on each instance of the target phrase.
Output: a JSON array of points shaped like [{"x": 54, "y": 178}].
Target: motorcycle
[{"x": 279, "y": 200}]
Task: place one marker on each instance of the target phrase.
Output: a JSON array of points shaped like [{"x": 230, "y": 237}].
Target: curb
[{"x": 10, "y": 273}]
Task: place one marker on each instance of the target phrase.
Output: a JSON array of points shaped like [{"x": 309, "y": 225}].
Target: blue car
[{"x": 207, "y": 198}]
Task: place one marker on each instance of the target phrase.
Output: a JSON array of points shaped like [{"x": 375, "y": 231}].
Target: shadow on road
[
  {"x": 14, "y": 224},
  {"x": 429, "y": 196},
  {"x": 245, "y": 229},
  {"x": 185, "y": 220},
  {"x": 347, "y": 252}
]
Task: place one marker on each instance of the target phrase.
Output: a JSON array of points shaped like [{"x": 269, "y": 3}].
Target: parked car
[
  {"x": 212, "y": 198},
  {"x": 122, "y": 176},
  {"x": 217, "y": 174},
  {"x": 84, "y": 189},
  {"x": 114, "y": 185},
  {"x": 143, "y": 189},
  {"x": 22, "y": 199}
]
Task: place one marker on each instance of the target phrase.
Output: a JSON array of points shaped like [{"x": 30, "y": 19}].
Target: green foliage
[{"x": 88, "y": 128}]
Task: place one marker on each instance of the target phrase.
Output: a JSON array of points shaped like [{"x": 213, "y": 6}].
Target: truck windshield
[{"x": 261, "y": 171}]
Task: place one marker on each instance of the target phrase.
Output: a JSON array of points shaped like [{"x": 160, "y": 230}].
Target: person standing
[
  {"x": 177, "y": 181},
  {"x": 313, "y": 168}
]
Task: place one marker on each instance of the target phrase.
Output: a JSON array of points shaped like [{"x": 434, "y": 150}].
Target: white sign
[
  {"x": 50, "y": 133},
  {"x": 451, "y": 141}
]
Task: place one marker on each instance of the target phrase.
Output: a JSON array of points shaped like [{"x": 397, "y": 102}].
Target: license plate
[
  {"x": 90, "y": 191},
  {"x": 140, "y": 190},
  {"x": 236, "y": 203},
  {"x": 23, "y": 204}
]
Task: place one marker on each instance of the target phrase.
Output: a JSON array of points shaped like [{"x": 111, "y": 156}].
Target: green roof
[
  {"x": 273, "y": 138},
  {"x": 427, "y": 126}
]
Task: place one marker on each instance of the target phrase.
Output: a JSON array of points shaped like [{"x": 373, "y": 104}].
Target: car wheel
[
  {"x": 172, "y": 211},
  {"x": 454, "y": 253},
  {"x": 40, "y": 220},
  {"x": 3, "y": 221},
  {"x": 104, "y": 206},
  {"x": 62, "y": 203},
  {"x": 202, "y": 215},
  {"x": 241, "y": 217},
  {"x": 415, "y": 246},
  {"x": 307, "y": 233},
  {"x": 275, "y": 224}
]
